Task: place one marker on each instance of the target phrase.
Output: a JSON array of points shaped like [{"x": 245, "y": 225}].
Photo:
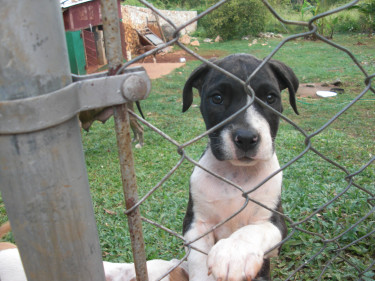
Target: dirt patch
[
  {"x": 309, "y": 89},
  {"x": 177, "y": 55},
  {"x": 166, "y": 63},
  {"x": 157, "y": 70}
]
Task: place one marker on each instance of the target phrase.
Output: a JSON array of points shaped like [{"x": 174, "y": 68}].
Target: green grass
[
  {"x": 308, "y": 184},
  {"x": 348, "y": 20}
]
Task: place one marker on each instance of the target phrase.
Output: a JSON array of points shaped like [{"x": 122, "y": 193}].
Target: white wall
[{"x": 137, "y": 17}]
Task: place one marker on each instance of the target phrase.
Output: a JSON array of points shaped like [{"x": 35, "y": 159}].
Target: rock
[
  {"x": 168, "y": 32},
  {"x": 185, "y": 39},
  {"x": 207, "y": 40},
  {"x": 266, "y": 35},
  {"x": 337, "y": 90},
  {"x": 245, "y": 38},
  {"x": 167, "y": 50},
  {"x": 269, "y": 35},
  {"x": 218, "y": 39},
  {"x": 337, "y": 82},
  {"x": 195, "y": 43}
]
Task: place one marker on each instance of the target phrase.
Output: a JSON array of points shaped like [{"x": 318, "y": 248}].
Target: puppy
[
  {"x": 243, "y": 152},
  {"x": 11, "y": 268},
  {"x": 155, "y": 269}
]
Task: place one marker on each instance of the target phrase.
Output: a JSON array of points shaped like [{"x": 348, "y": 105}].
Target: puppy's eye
[
  {"x": 217, "y": 99},
  {"x": 270, "y": 99}
]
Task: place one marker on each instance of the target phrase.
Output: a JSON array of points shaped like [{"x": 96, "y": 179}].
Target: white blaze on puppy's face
[
  {"x": 260, "y": 124},
  {"x": 264, "y": 150}
]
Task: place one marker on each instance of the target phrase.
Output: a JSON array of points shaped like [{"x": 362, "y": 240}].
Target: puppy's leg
[
  {"x": 197, "y": 261},
  {"x": 240, "y": 256}
]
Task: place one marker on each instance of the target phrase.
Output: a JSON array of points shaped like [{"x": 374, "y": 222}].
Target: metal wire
[{"x": 339, "y": 251}]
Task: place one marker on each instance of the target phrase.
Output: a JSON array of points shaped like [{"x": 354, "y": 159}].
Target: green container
[{"x": 76, "y": 51}]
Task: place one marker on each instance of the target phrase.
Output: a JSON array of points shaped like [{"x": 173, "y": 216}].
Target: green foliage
[
  {"x": 325, "y": 25},
  {"x": 348, "y": 23},
  {"x": 235, "y": 19},
  {"x": 132, "y": 3},
  {"x": 367, "y": 9}
]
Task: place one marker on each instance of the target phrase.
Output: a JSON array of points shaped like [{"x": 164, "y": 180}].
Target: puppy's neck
[{"x": 247, "y": 177}]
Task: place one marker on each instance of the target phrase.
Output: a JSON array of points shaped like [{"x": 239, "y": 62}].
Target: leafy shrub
[
  {"x": 235, "y": 19},
  {"x": 367, "y": 9},
  {"x": 199, "y": 32},
  {"x": 348, "y": 23}
]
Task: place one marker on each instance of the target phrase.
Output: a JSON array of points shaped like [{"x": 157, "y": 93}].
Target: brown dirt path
[
  {"x": 166, "y": 63},
  {"x": 157, "y": 70}
]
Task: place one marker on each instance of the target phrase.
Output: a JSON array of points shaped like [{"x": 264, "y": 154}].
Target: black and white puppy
[{"x": 243, "y": 152}]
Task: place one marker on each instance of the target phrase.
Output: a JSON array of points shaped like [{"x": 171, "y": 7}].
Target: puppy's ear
[
  {"x": 195, "y": 80},
  {"x": 286, "y": 79}
]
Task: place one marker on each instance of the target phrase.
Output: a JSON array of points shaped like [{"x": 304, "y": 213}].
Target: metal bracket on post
[{"x": 87, "y": 92}]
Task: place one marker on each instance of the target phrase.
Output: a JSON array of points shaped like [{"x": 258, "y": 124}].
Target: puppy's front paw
[{"x": 234, "y": 260}]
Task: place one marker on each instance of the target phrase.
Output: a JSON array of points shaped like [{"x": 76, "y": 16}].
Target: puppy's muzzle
[{"x": 246, "y": 140}]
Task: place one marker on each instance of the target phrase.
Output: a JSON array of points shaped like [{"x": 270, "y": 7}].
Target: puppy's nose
[{"x": 245, "y": 140}]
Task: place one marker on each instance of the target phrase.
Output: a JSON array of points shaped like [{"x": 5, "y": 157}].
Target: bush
[
  {"x": 348, "y": 23},
  {"x": 235, "y": 19},
  {"x": 367, "y": 9}
]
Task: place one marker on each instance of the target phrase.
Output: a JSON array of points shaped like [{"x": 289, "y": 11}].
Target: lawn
[{"x": 309, "y": 183}]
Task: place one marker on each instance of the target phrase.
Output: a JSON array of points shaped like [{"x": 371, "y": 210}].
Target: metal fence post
[
  {"x": 43, "y": 177},
  {"x": 112, "y": 41}
]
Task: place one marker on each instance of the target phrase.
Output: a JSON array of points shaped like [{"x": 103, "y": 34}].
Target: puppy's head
[{"x": 248, "y": 138}]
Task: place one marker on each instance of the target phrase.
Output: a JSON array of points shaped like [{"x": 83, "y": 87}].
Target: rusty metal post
[
  {"x": 43, "y": 177},
  {"x": 112, "y": 41}
]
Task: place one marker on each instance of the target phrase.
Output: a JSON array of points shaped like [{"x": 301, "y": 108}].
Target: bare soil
[
  {"x": 175, "y": 56},
  {"x": 166, "y": 63},
  {"x": 310, "y": 89},
  {"x": 157, "y": 70}
]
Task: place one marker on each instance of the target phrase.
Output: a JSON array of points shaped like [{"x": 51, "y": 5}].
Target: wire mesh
[{"x": 332, "y": 251}]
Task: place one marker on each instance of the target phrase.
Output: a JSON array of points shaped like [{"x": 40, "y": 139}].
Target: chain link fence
[
  {"x": 345, "y": 245},
  {"x": 330, "y": 249}
]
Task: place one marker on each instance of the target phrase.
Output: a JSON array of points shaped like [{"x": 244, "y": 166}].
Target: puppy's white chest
[{"x": 216, "y": 200}]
